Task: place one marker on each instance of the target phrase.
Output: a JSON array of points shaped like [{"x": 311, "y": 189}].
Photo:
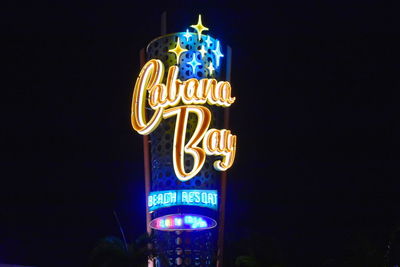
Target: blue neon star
[
  {"x": 194, "y": 63},
  {"x": 217, "y": 53},
  {"x": 208, "y": 41},
  {"x": 187, "y": 35}
]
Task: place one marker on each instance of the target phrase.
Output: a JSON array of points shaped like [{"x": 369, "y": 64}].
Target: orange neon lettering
[
  {"x": 220, "y": 143},
  {"x": 179, "y": 148},
  {"x": 150, "y": 75},
  {"x": 190, "y": 92}
]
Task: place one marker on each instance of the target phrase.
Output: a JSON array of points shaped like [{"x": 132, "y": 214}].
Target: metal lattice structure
[{"x": 183, "y": 248}]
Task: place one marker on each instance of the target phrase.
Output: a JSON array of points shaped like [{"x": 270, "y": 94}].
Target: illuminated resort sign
[
  {"x": 201, "y": 198},
  {"x": 181, "y": 99},
  {"x": 176, "y": 222}
]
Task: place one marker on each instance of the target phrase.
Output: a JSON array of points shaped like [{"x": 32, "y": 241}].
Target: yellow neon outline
[
  {"x": 204, "y": 91},
  {"x": 150, "y": 75},
  {"x": 220, "y": 143},
  {"x": 178, "y": 50},
  {"x": 179, "y": 149},
  {"x": 199, "y": 27},
  {"x": 192, "y": 91}
]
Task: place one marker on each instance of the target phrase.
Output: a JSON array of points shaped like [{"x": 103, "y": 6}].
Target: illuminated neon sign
[
  {"x": 176, "y": 222},
  {"x": 201, "y": 198},
  {"x": 179, "y": 99}
]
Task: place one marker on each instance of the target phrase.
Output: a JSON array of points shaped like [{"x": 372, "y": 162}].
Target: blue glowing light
[
  {"x": 194, "y": 56},
  {"x": 208, "y": 41},
  {"x": 194, "y": 63},
  {"x": 175, "y": 222},
  {"x": 193, "y": 197},
  {"x": 187, "y": 35},
  {"x": 217, "y": 53}
]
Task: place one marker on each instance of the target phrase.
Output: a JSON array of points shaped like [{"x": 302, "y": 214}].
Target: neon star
[
  {"x": 208, "y": 41},
  {"x": 217, "y": 53},
  {"x": 211, "y": 68},
  {"x": 199, "y": 27},
  {"x": 187, "y": 35},
  {"x": 194, "y": 63},
  {"x": 202, "y": 51},
  {"x": 178, "y": 50}
]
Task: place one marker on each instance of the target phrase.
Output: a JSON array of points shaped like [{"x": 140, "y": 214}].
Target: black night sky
[{"x": 316, "y": 176}]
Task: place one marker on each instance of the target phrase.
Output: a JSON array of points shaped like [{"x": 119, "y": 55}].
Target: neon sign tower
[{"x": 179, "y": 104}]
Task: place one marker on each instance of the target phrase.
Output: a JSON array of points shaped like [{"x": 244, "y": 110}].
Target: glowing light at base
[
  {"x": 168, "y": 198},
  {"x": 188, "y": 222}
]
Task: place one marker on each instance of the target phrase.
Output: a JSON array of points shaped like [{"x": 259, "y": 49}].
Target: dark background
[{"x": 316, "y": 177}]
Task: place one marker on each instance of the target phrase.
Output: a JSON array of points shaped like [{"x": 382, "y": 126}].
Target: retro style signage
[{"x": 180, "y": 99}]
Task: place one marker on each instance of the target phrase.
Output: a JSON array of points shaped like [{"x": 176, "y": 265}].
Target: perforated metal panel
[
  {"x": 158, "y": 49},
  {"x": 197, "y": 248}
]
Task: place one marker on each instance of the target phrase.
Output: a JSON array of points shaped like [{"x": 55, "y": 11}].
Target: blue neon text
[{"x": 202, "y": 198}]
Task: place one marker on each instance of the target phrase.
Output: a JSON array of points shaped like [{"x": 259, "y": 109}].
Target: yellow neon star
[
  {"x": 199, "y": 27},
  {"x": 178, "y": 50}
]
